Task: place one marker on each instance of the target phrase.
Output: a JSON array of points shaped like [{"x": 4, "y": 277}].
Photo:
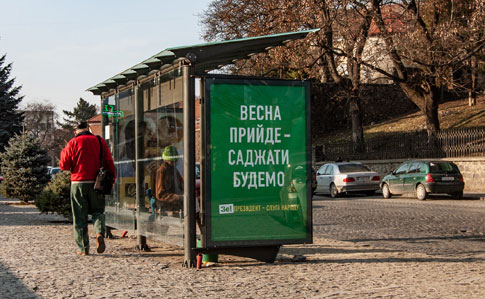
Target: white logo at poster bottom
[{"x": 226, "y": 209}]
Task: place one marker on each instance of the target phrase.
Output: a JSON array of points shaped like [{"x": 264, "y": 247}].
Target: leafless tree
[
  {"x": 334, "y": 55},
  {"x": 434, "y": 37},
  {"x": 426, "y": 43},
  {"x": 40, "y": 119}
]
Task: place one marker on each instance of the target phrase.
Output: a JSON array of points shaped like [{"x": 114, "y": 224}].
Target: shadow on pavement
[
  {"x": 370, "y": 260},
  {"x": 466, "y": 196},
  {"x": 19, "y": 215},
  {"x": 397, "y": 260},
  {"x": 13, "y": 287},
  {"x": 143, "y": 255},
  {"x": 479, "y": 238},
  {"x": 309, "y": 250}
]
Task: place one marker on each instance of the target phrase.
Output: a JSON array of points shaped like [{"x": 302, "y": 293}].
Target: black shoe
[{"x": 100, "y": 246}]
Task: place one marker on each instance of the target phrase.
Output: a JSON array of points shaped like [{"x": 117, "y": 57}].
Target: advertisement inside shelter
[{"x": 259, "y": 162}]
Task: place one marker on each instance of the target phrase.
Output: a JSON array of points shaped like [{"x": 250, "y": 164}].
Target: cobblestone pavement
[
  {"x": 38, "y": 260},
  {"x": 437, "y": 226}
]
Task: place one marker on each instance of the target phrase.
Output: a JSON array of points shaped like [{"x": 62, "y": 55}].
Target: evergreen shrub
[
  {"x": 24, "y": 167},
  {"x": 55, "y": 198}
]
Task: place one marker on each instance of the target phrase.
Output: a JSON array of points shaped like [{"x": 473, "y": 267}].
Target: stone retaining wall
[{"x": 473, "y": 170}]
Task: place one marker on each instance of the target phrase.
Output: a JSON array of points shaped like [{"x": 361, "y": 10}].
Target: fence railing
[{"x": 466, "y": 142}]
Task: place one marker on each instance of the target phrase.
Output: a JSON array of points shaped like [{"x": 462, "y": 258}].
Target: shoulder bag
[{"x": 104, "y": 178}]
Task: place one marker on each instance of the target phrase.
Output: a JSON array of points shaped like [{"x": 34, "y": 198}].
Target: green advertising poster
[{"x": 258, "y": 147}]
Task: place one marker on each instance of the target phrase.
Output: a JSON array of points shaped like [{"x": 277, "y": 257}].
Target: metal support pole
[
  {"x": 203, "y": 161},
  {"x": 141, "y": 241},
  {"x": 107, "y": 233},
  {"x": 189, "y": 167}
]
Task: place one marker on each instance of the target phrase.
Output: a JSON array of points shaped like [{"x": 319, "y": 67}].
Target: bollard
[{"x": 199, "y": 260}]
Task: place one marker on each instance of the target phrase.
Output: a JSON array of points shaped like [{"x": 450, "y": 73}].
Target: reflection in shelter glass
[
  {"x": 120, "y": 132},
  {"x": 161, "y": 157}
]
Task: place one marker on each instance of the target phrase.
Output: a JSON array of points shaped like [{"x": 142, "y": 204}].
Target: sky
[{"x": 60, "y": 48}]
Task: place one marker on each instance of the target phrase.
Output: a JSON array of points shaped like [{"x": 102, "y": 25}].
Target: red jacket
[{"x": 81, "y": 157}]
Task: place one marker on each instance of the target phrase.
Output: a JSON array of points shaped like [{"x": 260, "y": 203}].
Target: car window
[
  {"x": 402, "y": 169},
  {"x": 424, "y": 168},
  {"x": 442, "y": 167},
  {"x": 321, "y": 170},
  {"x": 415, "y": 168},
  {"x": 54, "y": 170},
  {"x": 347, "y": 168},
  {"x": 299, "y": 172},
  {"x": 329, "y": 170}
]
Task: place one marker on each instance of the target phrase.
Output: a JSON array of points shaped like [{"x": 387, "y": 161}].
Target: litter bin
[{"x": 208, "y": 258}]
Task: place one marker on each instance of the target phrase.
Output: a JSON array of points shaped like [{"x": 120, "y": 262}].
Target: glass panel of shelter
[
  {"x": 118, "y": 113},
  {"x": 161, "y": 133}
]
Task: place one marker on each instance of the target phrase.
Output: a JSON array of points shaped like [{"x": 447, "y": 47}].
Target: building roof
[
  {"x": 95, "y": 119},
  {"x": 95, "y": 124},
  {"x": 203, "y": 57},
  {"x": 395, "y": 19}
]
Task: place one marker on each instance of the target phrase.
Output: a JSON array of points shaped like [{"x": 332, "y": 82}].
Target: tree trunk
[
  {"x": 431, "y": 112},
  {"x": 472, "y": 95},
  {"x": 357, "y": 130},
  {"x": 427, "y": 102},
  {"x": 323, "y": 71}
]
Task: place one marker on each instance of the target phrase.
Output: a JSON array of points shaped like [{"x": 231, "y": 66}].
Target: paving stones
[
  {"x": 32, "y": 265},
  {"x": 439, "y": 226}
]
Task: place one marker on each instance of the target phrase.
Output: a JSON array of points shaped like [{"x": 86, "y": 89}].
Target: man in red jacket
[{"x": 81, "y": 157}]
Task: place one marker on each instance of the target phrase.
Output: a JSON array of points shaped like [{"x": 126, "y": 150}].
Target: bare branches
[
  {"x": 418, "y": 44},
  {"x": 463, "y": 56}
]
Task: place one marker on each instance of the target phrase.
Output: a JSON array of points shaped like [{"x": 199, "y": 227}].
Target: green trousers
[{"x": 84, "y": 201}]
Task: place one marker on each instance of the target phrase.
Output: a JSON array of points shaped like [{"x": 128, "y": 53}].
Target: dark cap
[{"x": 81, "y": 125}]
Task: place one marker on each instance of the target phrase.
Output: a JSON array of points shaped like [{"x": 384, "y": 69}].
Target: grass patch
[{"x": 452, "y": 115}]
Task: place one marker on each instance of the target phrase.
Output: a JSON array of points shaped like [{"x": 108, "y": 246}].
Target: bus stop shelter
[{"x": 233, "y": 164}]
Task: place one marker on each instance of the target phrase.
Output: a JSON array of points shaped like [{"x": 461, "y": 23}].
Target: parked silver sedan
[{"x": 343, "y": 177}]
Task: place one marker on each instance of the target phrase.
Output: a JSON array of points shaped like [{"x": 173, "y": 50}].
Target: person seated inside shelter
[{"x": 169, "y": 183}]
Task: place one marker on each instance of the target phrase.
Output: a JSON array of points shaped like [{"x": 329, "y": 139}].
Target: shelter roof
[{"x": 203, "y": 57}]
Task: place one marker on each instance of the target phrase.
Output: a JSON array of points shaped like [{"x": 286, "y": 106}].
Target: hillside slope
[{"x": 453, "y": 114}]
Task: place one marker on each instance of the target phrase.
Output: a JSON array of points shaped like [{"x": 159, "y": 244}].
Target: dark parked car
[
  {"x": 314, "y": 180},
  {"x": 52, "y": 171},
  {"x": 197, "y": 179},
  {"x": 423, "y": 178}
]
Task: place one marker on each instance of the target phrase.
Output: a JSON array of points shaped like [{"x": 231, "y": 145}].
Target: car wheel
[
  {"x": 386, "y": 192},
  {"x": 333, "y": 191},
  {"x": 421, "y": 193},
  {"x": 457, "y": 195}
]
